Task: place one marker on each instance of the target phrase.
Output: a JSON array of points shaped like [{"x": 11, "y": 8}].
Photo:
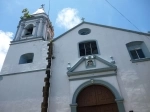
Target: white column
[
  {"x": 43, "y": 23},
  {"x": 45, "y": 30},
  {"x": 36, "y": 28},
  {"x": 16, "y": 33},
  {"x": 39, "y": 28},
  {"x": 20, "y": 31}
]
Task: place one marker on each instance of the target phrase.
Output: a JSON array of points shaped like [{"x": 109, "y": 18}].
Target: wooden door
[{"x": 96, "y": 98}]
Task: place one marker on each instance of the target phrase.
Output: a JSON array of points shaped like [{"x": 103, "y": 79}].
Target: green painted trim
[
  {"x": 140, "y": 60},
  {"x": 91, "y": 71},
  {"x": 73, "y": 107},
  {"x": 111, "y": 67},
  {"x": 87, "y": 77},
  {"x": 76, "y": 65},
  {"x": 99, "y": 82},
  {"x": 141, "y": 33},
  {"x": 105, "y": 62},
  {"x": 120, "y": 105}
]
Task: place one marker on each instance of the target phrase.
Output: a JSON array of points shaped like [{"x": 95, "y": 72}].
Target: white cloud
[
  {"x": 68, "y": 18},
  {"x": 5, "y": 38}
]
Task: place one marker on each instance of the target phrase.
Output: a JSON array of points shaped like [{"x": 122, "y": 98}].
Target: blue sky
[{"x": 64, "y": 14}]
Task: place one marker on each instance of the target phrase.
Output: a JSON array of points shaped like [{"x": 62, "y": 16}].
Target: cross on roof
[
  {"x": 82, "y": 19},
  {"x": 42, "y": 6}
]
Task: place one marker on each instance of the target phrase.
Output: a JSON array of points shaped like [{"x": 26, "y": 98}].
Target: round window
[{"x": 84, "y": 31}]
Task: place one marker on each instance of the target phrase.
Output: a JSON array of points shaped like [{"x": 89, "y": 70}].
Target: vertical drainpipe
[{"x": 44, "y": 104}]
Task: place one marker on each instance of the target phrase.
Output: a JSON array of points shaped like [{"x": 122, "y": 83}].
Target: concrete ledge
[
  {"x": 140, "y": 60},
  {"x": 26, "y": 40},
  {"x": 87, "y": 77},
  {"x": 22, "y": 72}
]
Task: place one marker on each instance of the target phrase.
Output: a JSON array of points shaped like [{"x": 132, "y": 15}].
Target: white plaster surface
[
  {"x": 21, "y": 85},
  {"x": 22, "y": 92},
  {"x": 11, "y": 63},
  {"x": 132, "y": 80}
]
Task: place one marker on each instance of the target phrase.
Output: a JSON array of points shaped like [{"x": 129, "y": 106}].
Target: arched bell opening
[{"x": 29, "y": 30}]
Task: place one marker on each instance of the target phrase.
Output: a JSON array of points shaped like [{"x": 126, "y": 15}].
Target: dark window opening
[
  {"x": 29, "y": 30},
  {"x": 138, "y": 50},
  {"x": 26, "y": 58},
  {"x": 137, "y": 54},
  {"x": 88, "y": 48},
  {"x": 84, "y": 31}
]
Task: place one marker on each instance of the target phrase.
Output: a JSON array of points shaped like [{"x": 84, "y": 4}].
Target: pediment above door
[{"x": 91, "y": 66}]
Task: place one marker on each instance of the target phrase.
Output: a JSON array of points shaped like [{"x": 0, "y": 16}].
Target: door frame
[{"x": 118, "y": 98}]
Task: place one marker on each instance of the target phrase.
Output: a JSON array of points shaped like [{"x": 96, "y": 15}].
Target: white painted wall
[
  {"x": 22, "y": 85},
  {"x": 22, "y": 92},
  {"x": 11, "y": 63},
  {"x": 133, "y": 78}
]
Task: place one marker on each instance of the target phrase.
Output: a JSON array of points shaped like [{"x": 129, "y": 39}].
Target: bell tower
[
  {"x": 34, "y": 27},
  {"x": 28, "y": 50},
  {"x": 25, "y": 64}
]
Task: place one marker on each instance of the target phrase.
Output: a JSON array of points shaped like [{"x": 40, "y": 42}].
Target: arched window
[
  {"x": 88, "y": 48},
  {"x": 138, "y": 50},
  {"x": 26, "y": 58},
  {"x": 29, "y": 29}
]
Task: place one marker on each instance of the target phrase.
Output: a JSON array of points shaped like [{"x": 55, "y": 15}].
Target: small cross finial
[
  {"x": 42, "y": 6},
  {"x": 82, "y": 19}
]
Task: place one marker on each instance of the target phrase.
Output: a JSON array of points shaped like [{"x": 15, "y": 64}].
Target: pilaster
[
  {"x": 73, "y": 107},
  {"x": 40, "y": 28},
  {"x": 20, "y": 31},
  {"x": 36, "y": 28},
  {"x": 43, "y": 23},
  {"x": 120, "y": 105},
  {"x": 16, "y": 33}
]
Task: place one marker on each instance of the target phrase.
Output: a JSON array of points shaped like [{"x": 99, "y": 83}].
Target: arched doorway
[{"x": 96, "y": 98}]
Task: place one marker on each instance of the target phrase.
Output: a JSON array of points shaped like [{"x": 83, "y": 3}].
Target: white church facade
[{"x": 90, "y": 68}]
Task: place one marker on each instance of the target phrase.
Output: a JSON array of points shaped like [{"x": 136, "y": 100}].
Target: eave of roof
[{"x": 141, "y": 33}]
